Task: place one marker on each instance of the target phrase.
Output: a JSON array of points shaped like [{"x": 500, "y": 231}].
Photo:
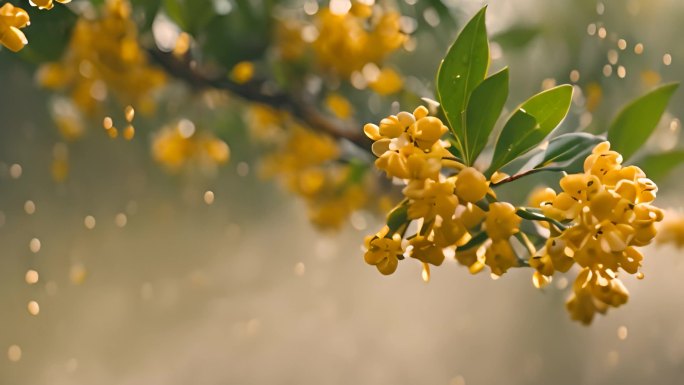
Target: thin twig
[
  {"x": 526, "y": 173},
  {"x": 255, "y": 91}
]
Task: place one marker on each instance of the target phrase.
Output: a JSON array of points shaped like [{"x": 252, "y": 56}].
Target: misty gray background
[{"x": 245, "y": 291}]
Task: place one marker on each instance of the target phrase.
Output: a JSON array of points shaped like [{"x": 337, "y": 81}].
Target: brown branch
[
  {"x": 255, "y": 91},
  {"x": 526, "y": 173}
]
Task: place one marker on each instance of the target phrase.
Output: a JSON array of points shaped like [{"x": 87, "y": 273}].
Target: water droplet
[
  {"x": 14, "y": 353},
  {"x": 426, "y": 273},
  {"x": 33, "y": 308},
  {"x": 31, "y": 277},
  {"x": 622, "y": 332}
]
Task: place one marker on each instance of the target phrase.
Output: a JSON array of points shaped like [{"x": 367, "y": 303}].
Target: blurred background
[{"x": 126, "y": 274}]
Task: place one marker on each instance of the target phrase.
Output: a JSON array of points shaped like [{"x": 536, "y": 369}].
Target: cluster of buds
[
  {"x": 607, "y": 213},
  {"x": 446, "y": 206}
]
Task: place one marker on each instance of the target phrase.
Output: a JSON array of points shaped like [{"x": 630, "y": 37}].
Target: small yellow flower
[
  {"x": 451, "y": 232},
  {"x": 426, "y": 251},
  {"x": 427, "y": 131},
  {"x": 11, "y": 20},
  {"x": 47, "y": 4},
  {"x": 383, "y": 252},
  {"x": 407, "y": 144},
  {"x": 500, "y": 256},
  {"x": 552, "y": 257},
  {"x": 541, "y": 196},
  {"x": 473, "y": 258},
  {"x": 429, "y": 199},
  {"x": 471, "y": 185},
  {"x": 501, "y": 221},
  {"x": 602, "y": 160}
]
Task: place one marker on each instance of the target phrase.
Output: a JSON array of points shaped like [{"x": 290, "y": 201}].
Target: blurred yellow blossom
[
  {"x": 339, "y": 105},
  {"x": 103, "y": 58},
  {"x": 175, "y": 148},
  {"x": 242, "y": 72},
  {"x": 264, "y": 122},
  {"x": 672, "y": 230},
  {"x": 347, "y": 41},
  {"x": 387, "y": 82},
  {"x": 307, "y": 164}
]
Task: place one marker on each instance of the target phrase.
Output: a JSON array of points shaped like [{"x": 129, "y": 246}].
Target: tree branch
[
  {"x": 526, "y": 173},
  {"x": 255, "y": 91}
]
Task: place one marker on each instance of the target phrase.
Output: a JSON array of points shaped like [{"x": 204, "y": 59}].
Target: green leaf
[
  {"x": 636, "y": 122},
  {"x": 190, "y": 15},
  {"x": 149, "y": 9},
  {"x": 49, "y": 33},
  {"x": 658, "y": 166},
  {"x": 517, "y": 36},
  {"x": 463, "y": 68},
  {"x": 474, "y": 241},
  {"x": 397, "y": 218},
  {"x": 567, "y": 147},
  {"x": 484, "y": 108},
  {"x": 530, "y": 124}
]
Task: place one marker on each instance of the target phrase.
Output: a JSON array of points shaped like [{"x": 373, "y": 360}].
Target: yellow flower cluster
[
  {"x": 11, "y": 20},
  {"x": 104, "y": 57},
  {"x": 306, "y": 164},
  {"x": 178, "y": 145},
  {"x": 608, "y": 213},
  {"x": 345, "y": 42},
  {"x": 408, "y": 147}
]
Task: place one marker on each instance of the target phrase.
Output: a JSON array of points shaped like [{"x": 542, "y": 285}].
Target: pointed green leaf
[
  {"x": 567, "y": 147},
  {"x": 636, "y": 122},
  {"x": 530, "y": 124},
  {"x": 397, "y": 218},
  {"x": 474, "y": 241},
  {"x": 49, "y": 33},
  {"x": 658, "y": 166},
  {"x": 484, "y": 109},
  {"x": 517, "y": 36},
  {"x": 463, "y": 68}
]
